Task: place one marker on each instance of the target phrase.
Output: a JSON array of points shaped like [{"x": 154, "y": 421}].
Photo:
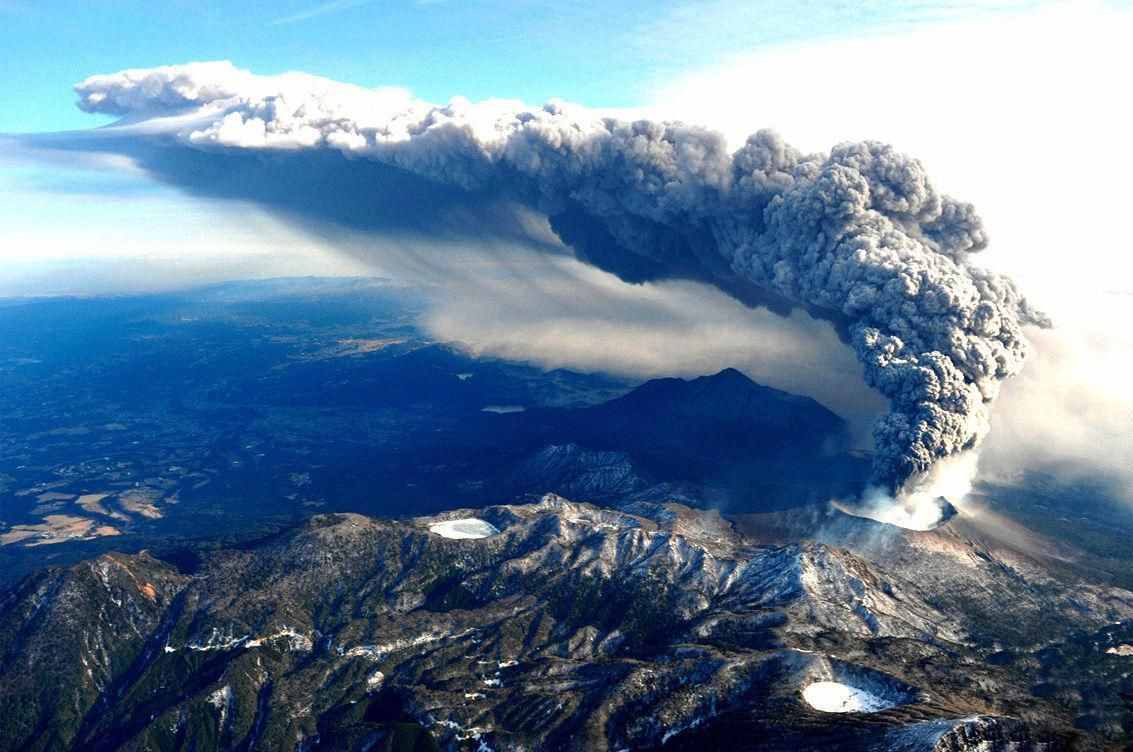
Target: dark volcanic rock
[
  {"x": 760, "y": 448},
  {"x": 572, "y": 628}
]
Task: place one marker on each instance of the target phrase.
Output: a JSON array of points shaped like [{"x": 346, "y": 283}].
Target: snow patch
[
  {"x": 836, "y": 697},
  {"x": 373, "y": 652},
  {"x": 218, "y": 640},
  {"x": 502, "y": 409},
  {"x": 681, "y": 729},
  {"x": 465, "y": 529},
  {"x": 380, "y": 652},
  {"x": 296, "y": 641},
  {"x": 465, "y": 734},
  {"x": 225, "y": 640},
  {"x": 222, "y": 700},
  {"x": 1126, "y": 650}
]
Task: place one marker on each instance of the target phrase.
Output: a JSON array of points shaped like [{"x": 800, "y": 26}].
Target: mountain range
[
  {"x": 253, "y": 518},
  {"x": 567, "y": 626}
]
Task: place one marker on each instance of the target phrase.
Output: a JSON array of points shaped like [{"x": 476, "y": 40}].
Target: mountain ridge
[
  {"x": 574, "y": 627},
  {"x": 734, "y": 438}
]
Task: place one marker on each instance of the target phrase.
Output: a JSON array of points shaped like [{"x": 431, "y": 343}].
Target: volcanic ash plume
[{"x": 858, "y": 235}]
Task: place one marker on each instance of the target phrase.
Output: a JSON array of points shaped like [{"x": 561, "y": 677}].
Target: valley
[{"x": 278, "y": 515}]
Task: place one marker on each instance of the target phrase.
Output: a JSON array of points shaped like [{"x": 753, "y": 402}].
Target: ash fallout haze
[{"x": 494, "y": 375}]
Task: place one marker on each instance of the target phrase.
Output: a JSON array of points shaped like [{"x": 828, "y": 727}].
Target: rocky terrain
[{"x": 570, "y": 627}]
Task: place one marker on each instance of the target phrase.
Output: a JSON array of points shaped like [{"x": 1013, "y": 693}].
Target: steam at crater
[
  {"x": 925, "y": 500},
  {"x": 858, "y": 236}
]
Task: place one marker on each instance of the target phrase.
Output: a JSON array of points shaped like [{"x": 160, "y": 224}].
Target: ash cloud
[{"x": 857, "y": 236}]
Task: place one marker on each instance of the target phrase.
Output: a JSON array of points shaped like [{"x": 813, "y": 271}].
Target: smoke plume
[{"x": 858, "y": 236}]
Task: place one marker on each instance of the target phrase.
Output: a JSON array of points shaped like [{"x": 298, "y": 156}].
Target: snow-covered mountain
[{"x": 558, "y": 625}]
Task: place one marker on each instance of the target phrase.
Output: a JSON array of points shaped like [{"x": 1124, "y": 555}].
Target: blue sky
[
  {"x": 603, "y": 54},
  {"x": 975, "y": 88},
  {"x": 1017, "y": 106}
]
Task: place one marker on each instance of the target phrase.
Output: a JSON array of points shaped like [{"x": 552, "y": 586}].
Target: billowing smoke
[
  {"x": 925, "y": 500},
  {"x": 858, "y": 236}
]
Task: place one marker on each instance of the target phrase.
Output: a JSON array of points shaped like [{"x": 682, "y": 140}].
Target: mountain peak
[
  {"x": 730, "y": 396},
  {"x": 567, "y": 627},
  {"x": 729, "y": 374},
  {"x": 723, "y": 430}
]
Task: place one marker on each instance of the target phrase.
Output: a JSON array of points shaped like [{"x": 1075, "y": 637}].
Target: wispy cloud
[
  {"x": 688, "y": 33},
  {"x": 319, "y": 10}
]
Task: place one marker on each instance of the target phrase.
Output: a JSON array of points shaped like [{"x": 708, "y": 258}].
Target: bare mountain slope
[{"x": 573, "y": 627}]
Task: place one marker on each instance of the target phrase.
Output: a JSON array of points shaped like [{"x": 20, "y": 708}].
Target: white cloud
[
  {"x": 1021, "y": 114},
  {"x": 333, "y": 6},
  {"x": 1024, "y": 115},
  {"x": 1027, "y": 116},
  {"x": 71, "y": 227},
  {"x": 561, "y": 313}
]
